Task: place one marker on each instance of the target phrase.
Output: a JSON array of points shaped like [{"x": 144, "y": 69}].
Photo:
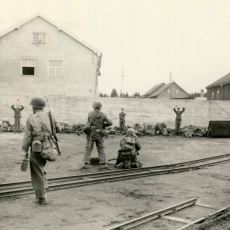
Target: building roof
[
  {"x": 153, "y": 89},
  {"x": 158, "y": 90},
  {"x": 18, "y": 26},
  {"x": 225, "y": 80}
]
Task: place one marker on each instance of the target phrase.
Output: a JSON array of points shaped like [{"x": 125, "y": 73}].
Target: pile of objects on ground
[
  {"x": 6, "y": 126},
  {"x": 142, "y": 130},
  {"x": 146, "y": 129},
  {"x": 161, "y": 129}
]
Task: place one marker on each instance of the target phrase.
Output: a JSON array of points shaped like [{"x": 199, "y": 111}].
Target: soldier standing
[
  {"x": 35, "y": 133},
  {"x": 97, "y": 121},
  {"x": 17, "y": 116},
  {"x": 178, "y": 120},
  {"x": 122, "y": 120}
]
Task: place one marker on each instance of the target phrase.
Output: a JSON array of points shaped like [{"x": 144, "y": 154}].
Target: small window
[
  {"x": 28, "y": 67},
  {"x": 55, "y": 68},
  {"x": 39, "y": 38},
  {"x": 177, "y": 91}
]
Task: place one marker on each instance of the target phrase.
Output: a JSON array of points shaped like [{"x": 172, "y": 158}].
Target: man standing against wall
[
  {"x": 17, "y": 116},
  {"x": 97, "y": 121},
  {"x": 178, "y": 120},
  {"x": 122, "y": 120}
]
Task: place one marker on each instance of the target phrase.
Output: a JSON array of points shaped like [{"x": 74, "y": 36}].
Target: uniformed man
[
  {"x": 17, "y": 116},
  {"x": 97, "y": 121},
  {"x": 129, "y": 147},
  {"x": 35, "y": 134},
  {"x": 122, "y": 120},
  {"x": 178, "y": 120}
]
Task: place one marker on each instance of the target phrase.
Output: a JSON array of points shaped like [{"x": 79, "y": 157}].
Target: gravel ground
[{"x": 103, "y": 205}]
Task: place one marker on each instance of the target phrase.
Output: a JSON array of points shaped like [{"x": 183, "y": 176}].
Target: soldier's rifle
[{"x": 53, "y": 129}]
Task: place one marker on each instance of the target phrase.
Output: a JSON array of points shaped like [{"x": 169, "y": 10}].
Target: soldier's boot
[
  {"x": 85, "y": 166},
  {"x": 103, "y": 166},
  {"x": 42, "y": 201}
]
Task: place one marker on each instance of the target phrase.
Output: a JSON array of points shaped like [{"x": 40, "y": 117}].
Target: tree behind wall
[{"x": 114, "y": 93}]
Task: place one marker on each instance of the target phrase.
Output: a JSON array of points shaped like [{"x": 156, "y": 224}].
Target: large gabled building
[
  {"x": 38, "y": 57},
  {"x": 220, "y": 89},
  {"x": 170, "y": 91}
]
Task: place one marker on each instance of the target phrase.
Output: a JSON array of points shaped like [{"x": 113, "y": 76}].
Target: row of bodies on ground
[{"x": 142, "y": 130}]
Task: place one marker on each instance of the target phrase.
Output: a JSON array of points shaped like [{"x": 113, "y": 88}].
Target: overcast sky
[{"x": 146, "y": 38}]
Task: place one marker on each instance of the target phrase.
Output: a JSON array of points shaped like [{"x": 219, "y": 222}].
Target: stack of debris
[
  {"x": 193, "y": 131},
  {"x": 142, "y": 130},
  {"x": 5, "y": 126}
]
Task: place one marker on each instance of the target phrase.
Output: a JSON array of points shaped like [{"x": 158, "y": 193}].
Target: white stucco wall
[{"x": 79, "y": 62}]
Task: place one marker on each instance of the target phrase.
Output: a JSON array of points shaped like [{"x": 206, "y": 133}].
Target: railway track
[
  {"x": 23, "y": 188},
  {"x": 172, "y": 215}
]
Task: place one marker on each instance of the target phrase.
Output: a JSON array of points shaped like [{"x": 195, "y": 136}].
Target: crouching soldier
[
  {"x": 95, "y": 132},
  {"x": 38, "y": 128},
  {"x": 129, "y": 147}
]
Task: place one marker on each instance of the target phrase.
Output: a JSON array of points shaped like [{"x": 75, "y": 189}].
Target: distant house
[
  {"x": 39, "y": 57},
  {"x": 170, "y": 91},
  {"x": 220, "y": 89}
]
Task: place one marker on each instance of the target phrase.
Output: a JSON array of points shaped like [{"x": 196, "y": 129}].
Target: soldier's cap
[
  {"x": 38, "y": 103},
  {"x": 131, "y": 131},
  {"x": 122, "y": 109},
  {"x": 97, "y": 104}
]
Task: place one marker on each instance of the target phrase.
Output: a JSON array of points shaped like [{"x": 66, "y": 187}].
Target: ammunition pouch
[{"x": 36, "y": 146}]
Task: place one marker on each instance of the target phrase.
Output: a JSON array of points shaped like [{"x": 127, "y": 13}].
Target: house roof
[
  {"x": 162, "y": 88},
  {"x": 18, "y": 26},
  {"x": 153, "y": 89},
  {"x": 225, "y": 80}
]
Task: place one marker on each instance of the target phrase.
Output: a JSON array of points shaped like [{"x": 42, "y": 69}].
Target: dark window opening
[{"x": 27, "y": 70}]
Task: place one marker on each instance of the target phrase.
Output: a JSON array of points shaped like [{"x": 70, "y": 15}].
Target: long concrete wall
[{"x": 75, "y": 109}]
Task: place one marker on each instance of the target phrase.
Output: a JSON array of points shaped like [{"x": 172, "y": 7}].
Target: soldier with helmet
[
  {"x": 95, "y": 132},
  {"x": 129, "y": 147},
  {"x": 35, "y": 133}
]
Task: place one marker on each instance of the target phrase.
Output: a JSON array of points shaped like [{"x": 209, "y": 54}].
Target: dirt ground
[{"x": 103, "y": 205}]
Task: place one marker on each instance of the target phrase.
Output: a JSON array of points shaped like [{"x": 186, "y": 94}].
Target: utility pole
[{"x": 170, "y": 85}]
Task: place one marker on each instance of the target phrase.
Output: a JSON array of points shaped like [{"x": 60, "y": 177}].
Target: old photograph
[{"x": 114, "y": 114}]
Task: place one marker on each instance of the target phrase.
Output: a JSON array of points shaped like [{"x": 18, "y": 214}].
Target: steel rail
[
  {"x": 204, "y": 219},
  {"x": 108, "y": 178},
  {"x": 154, "y": 215},
  {"x": 118, "y": 172}
]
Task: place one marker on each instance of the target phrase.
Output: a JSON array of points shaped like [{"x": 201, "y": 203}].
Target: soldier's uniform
[
  {"x": 129, "y": 147},
  {"x": 178, "y": 119},
  {"x": 122, "y": 120},
  {"x": 35, "y": 131},
  {"x": 17, "y": 117},
  {"x": 97, "y": 121}
]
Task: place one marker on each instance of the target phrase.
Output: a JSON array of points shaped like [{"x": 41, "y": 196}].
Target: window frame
[
  {"x": 28, "y": 62},
  {"x": 55, "y": 68},
  {"x": 39, "y": 38}
]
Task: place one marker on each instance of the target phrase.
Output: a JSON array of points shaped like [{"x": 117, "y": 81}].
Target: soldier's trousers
[
  {"x": 17, "y": 124},
  {"x": 38, "y": 175},
  {"x": 100, "y": 148},
  {"x": 122, "y": 125},
  {"x": 177, "y": 126}
]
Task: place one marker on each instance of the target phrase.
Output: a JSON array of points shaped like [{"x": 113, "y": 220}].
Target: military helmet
[
  {"x": 97, "y": 105},
  {"x": 130, "y": 131},
  {"x": 38, "y": 103}
]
